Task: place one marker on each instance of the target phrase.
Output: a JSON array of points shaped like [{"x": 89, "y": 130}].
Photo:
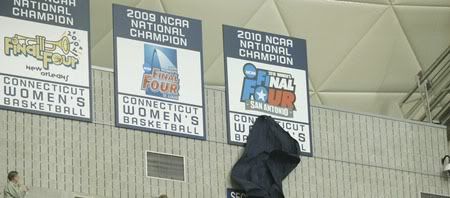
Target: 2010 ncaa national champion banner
[
  {"x": 159, "y": 72},
  {"x": 44, "y": 57},
  {"x": 266, "y": 74}
]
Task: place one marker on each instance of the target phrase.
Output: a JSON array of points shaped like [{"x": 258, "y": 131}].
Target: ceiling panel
[
  {"x": 422, "y": 2},
  {"x": 102, "y": 52},
  {"x": 101, "y": 22},
  {"x": 214, "y": 74},
  {"x": 331, "y": 29},
  {"x": 268, "y": 19},
  {"x": 368, "y": 1},
  {"x": 314, "y": 99},
  {"x": 382, "y": 60},
  {"x": 427, "y": 29},
  {"x": 154, "y": 5}
]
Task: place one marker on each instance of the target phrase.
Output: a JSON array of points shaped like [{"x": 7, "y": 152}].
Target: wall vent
[
  {"x": 428, "y": 195},
  {"x": 165, "y": 166}
]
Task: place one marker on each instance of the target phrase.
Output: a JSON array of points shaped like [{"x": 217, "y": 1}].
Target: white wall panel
[{"x": 355, "y": 155}]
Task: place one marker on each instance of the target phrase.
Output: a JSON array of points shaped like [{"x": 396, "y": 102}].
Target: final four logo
[
  {"x": 268, "y": 91},
  {"x": 62, "y": 52},
  {"x": 160, "y": 72}
]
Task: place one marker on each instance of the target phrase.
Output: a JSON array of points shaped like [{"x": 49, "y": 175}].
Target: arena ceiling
[{"x": 363, "y": 55}]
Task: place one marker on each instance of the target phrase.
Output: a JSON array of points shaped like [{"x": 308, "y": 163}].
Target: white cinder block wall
[{"x": 355, "y": 155}]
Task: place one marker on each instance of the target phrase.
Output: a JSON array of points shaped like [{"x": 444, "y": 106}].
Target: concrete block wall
[{"x": 355, "y": 155}]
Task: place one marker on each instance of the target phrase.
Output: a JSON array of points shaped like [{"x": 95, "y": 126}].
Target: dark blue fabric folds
[{"x": 269, "y": 156}]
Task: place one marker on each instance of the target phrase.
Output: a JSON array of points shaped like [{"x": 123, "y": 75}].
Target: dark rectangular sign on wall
[
  {"x": 266, "y": 74},
  {"x": 44, "y": 58},
  {"x": 158, "y": 72},
  {"x": 233, "y": 193}
]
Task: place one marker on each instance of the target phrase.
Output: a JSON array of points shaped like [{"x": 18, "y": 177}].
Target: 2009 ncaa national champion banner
[
  {"x": 266, "y": 74},
  {"x": 159, "y": 72},
  {"x": 44, "y": 57}
]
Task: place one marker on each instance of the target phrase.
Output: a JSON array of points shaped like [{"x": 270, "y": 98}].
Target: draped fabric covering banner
[
  {"x": 266, "y": 74},
  {"x": 269, "y": 156},
  {"x": 44, "y": 58},
  {"x": 159, "y": 72}
]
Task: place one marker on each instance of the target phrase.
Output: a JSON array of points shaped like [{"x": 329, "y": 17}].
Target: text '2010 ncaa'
[{"x": 266, "y": 75}]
